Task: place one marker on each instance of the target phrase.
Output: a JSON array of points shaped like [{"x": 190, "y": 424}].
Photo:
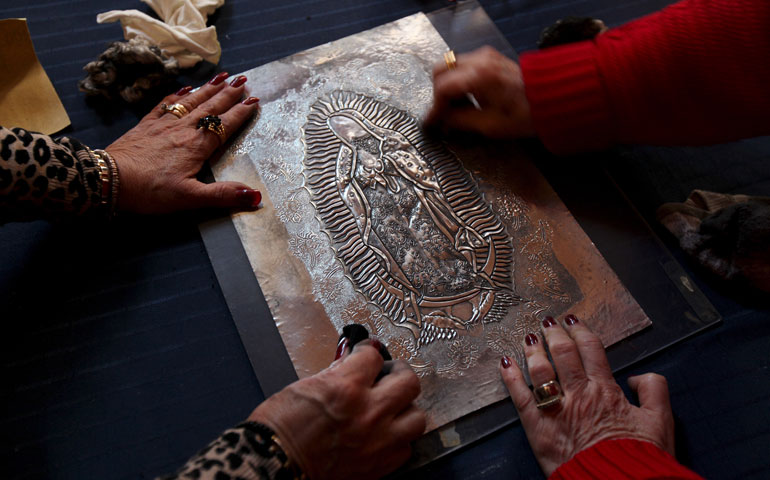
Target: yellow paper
[{"x": 27, "y": 97}]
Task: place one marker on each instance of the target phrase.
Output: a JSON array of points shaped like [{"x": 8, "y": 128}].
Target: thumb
[
  {"x": 224, "y": 195},
  {"x": 652, "y": 390}
]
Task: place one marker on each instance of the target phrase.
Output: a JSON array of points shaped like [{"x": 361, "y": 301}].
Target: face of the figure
[{"x": 359, "y": 139}]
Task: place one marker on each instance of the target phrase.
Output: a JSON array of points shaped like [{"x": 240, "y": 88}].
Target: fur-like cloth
[
  {"x": 728, "y": 234},
  {"x": 128, "y": 70}
]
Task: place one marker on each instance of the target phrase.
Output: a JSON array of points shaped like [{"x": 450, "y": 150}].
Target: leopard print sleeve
[
  {"x": 45, "y": 178},
  {"x": 247, "y": 452}
]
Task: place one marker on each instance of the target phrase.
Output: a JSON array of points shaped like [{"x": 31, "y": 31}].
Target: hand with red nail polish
[
  {"x": 593, "y": 408},
  {"x": 159, "y": 159},
  {"x": 343, "y": 423}
]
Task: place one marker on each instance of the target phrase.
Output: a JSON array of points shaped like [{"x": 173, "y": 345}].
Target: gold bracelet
[
  {"x": 110, "y": 178},
  {"x": 115, "y": 182},
  {"x": 104, "y": 177}
]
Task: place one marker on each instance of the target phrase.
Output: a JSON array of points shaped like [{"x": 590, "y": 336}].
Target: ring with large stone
[
  {"x": 213, "y": 124},
  {"x": 548, "y": 394},
  {"x": 177, "y": 109}
]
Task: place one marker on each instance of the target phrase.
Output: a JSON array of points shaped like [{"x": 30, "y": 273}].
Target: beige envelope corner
[{"x": 27, "y": 97}]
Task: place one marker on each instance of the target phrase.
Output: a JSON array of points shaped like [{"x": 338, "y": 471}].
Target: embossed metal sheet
[{"x": 449, "y": 255}]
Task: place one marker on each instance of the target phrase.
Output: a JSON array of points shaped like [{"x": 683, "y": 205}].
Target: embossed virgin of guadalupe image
[
  {"x": 405, "y": 219},
  {"x": 449, "y": 254}
]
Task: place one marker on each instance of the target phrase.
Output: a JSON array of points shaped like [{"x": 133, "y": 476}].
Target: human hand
[
  {"x": 496, "y": 83},
  {"x": 159, "y": 159},
  {"x": 594, "y": 407},
  {"x": 341, "y": 424}
]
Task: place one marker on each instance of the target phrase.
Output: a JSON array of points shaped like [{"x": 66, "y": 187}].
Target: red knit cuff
[
  {"x": 569, "y": 105},
  {"x": 623, "y": 459}
]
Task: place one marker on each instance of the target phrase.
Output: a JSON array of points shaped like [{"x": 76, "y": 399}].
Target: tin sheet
[{"x": 449, "y": 254}]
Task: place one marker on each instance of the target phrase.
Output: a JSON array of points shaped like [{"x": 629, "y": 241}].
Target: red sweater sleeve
[
  {"x": 623, "y": 459},
  {"x": 695, "y": 73}
]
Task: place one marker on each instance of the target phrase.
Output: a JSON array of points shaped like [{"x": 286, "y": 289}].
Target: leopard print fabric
[
  {"x": 245, "y": 452},
  {"x": 45, "y": 178}
]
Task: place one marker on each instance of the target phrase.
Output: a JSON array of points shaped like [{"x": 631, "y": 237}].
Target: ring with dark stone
[
  {"x": 214, "y": 124},
  {"x": 209, "y": 121}
]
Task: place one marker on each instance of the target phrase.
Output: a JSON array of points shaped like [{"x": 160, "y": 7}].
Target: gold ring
[
  {"x": 214, "y": 124},
  {"x": 450, "y": 60},
  {"x": 177, "y": 109},
  {"x": 548, "y": 394}
]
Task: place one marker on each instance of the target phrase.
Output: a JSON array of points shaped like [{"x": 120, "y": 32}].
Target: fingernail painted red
[
  {"x": 531, "y": 339},
  {"x": 570, "y": 320},
  {"x": 248, "y": 197},
  {"x": 250, "y": 101},
  {"x": 219, "y": 78},
  {"x": 184, "y": 90},
  {"x": 505, "y": 361},
  {"x": 238, "y": 81},
  {"x": 376, "y": 344},
  {"x": 548, "y": 322},
  {"x": 341, "y": 349}
]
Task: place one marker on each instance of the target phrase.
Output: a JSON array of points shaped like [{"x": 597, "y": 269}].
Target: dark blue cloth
[{"x": 119, "y": 357}]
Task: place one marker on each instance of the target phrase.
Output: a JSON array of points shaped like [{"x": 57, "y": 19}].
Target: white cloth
[{"x": 184, "y": 35}]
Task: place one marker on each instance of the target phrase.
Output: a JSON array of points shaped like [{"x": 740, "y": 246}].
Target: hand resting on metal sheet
[
  {"x": 159, "y": 159},
  {"x": 343, "y": 422},
  {"x": 152, "y": 168},
  {"x": 582, "y": 420}
]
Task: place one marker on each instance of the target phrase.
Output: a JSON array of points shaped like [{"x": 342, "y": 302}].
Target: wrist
[
  {"x": 291, "y": 417},
  {"x": 268, "y": 414},
  {"x": 129, "y": 186},
  {"x": 280, "y": 464}
]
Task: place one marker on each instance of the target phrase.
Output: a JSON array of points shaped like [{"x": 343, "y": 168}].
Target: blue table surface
[{"x": 120, "y": 358}]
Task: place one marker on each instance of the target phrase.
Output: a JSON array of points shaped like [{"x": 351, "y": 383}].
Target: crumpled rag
[{"x": 181, "y": 34}]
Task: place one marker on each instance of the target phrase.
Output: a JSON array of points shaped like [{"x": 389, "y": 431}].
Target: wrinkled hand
[
  {"x": 160, "y": 157},
  {"x": 496, "y": 83},
  {"x": 341, "y": 424},
  {"x": 594, "y": 407}
]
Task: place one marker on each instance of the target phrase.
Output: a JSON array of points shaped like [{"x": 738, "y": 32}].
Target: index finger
[
  {"x": 396, "y": 390},
  {"x": 363, "y": 364},
  {"x": 521, "y": 395},
  {"x": 452, "y": 85}
]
